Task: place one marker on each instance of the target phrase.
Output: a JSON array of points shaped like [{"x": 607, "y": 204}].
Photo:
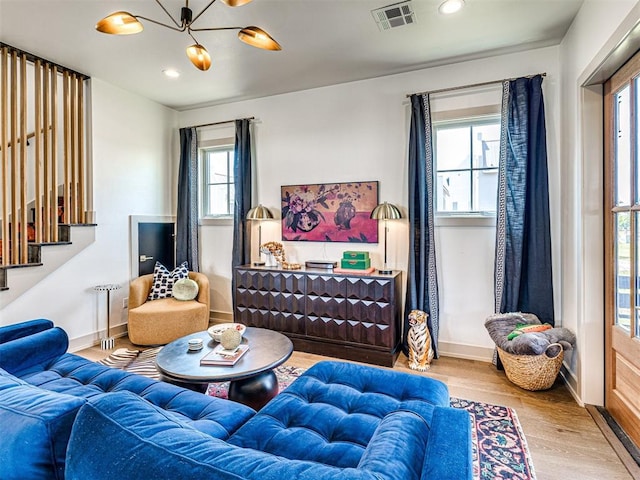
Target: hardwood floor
[{"x": 565, "y": 442}]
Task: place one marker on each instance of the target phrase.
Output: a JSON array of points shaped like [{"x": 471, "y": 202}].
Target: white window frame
[
  {"x": 224, "y": 144},
  {"x": 471, "y": 121}
]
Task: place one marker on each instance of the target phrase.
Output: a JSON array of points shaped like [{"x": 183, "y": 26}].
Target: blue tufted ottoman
[
  {"x": 330, "y": 414},
  {"x": 339, "y": 421}
]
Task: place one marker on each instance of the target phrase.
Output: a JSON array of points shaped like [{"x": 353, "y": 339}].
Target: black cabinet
[{"x": 356, "y": 317}]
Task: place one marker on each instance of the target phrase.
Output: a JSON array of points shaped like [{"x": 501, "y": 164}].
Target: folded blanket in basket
[{"x": 500, "y": 325}]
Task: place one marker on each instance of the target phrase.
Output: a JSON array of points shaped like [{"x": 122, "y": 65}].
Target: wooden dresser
[{"x": 355, "y": 317}]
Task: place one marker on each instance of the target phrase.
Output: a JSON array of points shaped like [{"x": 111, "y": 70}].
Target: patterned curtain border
[
  {"x": 432, "y": 270},
  {"x": 501, "y": 214},
  {"x": 193, "y": 202}
]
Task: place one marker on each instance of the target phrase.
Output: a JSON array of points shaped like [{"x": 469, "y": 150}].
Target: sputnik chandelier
[{"x": 125, "y": 23}]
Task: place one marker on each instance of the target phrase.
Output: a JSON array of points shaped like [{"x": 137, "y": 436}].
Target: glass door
[{"x": 622, "y": 255}]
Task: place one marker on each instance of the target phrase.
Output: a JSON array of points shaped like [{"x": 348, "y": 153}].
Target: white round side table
[{"x": 107, "y": 342}]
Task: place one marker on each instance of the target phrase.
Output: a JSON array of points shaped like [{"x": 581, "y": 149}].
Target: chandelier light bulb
[
  {"x": 199, "y": 56},
  {"x": 256, "y": 37},
  {"x": 119, "y": 23},
  {"x": 236, "y": 3}
]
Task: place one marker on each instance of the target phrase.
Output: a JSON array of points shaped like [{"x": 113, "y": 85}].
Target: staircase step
[{"x": 16, "y": 279}]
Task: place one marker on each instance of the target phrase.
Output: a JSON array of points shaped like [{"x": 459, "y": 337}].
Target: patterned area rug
[
  {"x": 500, "y": 450},
  {"x": 284, "y": 373}
]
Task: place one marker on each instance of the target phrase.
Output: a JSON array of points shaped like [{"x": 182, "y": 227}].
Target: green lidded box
[
  {"x": 354, "y": 255},
  {"x": 355, "y": 264}
]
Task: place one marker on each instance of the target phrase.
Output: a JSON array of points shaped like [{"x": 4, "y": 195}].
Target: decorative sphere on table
[{"x": 230, "y": 338}]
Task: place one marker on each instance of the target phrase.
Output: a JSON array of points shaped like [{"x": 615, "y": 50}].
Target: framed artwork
[{"x": 330, "y": 212}]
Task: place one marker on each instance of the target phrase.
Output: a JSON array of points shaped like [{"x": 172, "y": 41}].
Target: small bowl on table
[{"x": 215, "y": 331}]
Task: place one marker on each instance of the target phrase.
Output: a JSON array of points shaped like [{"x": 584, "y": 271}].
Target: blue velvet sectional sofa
[{"x": 62, "y": 416}]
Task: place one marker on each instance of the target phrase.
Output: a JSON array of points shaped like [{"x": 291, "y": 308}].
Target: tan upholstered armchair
[{"x": 158, "y": 322}]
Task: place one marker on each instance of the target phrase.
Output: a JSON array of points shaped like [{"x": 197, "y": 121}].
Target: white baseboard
[
  {"x": 93, "y": 339},
  {"x": 468, "y": 352},
  {"x": 571, "y": 381}
]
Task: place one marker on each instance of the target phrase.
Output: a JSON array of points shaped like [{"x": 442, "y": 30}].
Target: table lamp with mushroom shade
[
  {"x": 386, "y": 211},
  {"x": 259, "y": 214}
]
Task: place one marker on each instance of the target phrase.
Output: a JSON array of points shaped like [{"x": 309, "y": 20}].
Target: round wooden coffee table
[{"x": 253, "y": 381}]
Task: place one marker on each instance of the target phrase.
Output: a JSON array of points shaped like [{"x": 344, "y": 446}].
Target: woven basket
[{"x": 532, "y": 372}]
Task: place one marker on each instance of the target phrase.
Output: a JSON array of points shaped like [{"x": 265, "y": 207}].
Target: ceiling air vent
[{"x": 395, "y": 15}]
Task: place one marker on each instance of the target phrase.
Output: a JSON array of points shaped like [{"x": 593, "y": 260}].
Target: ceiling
[{"x": 324, "y": 42}]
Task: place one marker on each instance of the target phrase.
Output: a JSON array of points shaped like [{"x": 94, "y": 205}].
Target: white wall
[
  {"x": 359, "y": 131},
  {"x": 133, "y": 173},
  {"x": 593, "y": 35}
]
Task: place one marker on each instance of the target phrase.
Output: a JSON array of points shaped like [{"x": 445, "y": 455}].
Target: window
[
  {"x": 218, "y": 190},
  {"x": 467, "y": 153}
]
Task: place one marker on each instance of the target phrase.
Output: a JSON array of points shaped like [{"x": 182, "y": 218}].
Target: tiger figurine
[{"x": 419, "y": 340}]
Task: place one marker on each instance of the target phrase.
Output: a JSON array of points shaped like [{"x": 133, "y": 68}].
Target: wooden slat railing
[
  {"x": 22, "y": 172},
  {"x": 4, "y": 142},
  {"x": 13, "y": 190},
  {"x": 42, "y": 182},
  {"x": 38, "y": 150}
]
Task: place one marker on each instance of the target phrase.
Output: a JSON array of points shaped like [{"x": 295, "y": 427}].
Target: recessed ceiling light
[
  {"x": 171, "y": 73},
  {"x": 450, "y": 6}
]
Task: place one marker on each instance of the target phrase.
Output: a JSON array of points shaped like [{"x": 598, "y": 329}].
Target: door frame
[
  {"x": 134, "y": 220},
  {"x": 583, "y": 239}
]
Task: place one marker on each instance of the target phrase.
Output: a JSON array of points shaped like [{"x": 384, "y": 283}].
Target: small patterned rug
[
  {"x": 500, "y": 450},
  {"x": 143, "y": 362}
]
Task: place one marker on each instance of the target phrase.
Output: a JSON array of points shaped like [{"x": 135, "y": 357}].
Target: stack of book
[{"x": 220, "y": 356}]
